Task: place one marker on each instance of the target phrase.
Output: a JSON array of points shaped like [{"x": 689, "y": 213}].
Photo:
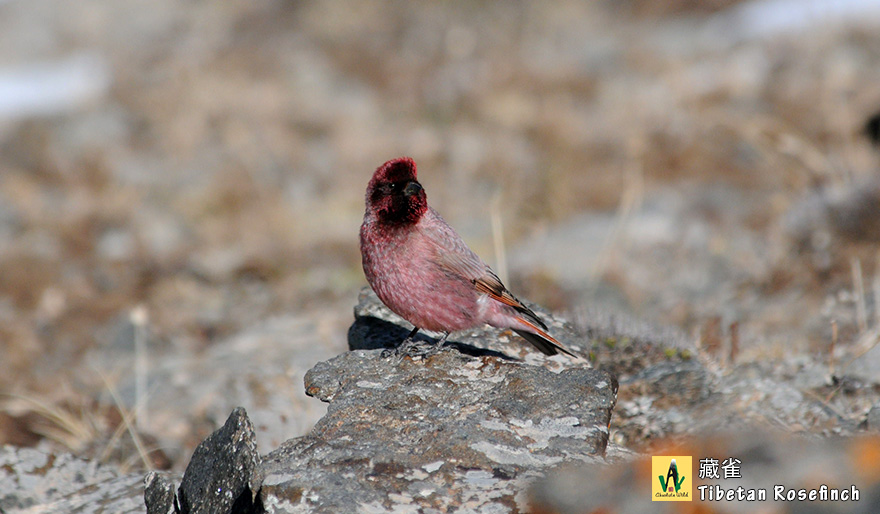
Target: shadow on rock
[{"x": 368, "y": 333}]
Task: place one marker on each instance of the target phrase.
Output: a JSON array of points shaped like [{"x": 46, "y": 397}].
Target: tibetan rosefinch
[{"x": 422, "y": 270}]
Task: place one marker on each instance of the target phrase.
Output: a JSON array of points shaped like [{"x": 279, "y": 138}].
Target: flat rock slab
[{"x": 445, "y": 431}]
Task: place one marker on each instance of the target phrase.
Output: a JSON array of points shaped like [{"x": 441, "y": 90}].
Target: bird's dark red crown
[
  {"x": 396, "y": 170},
  {"x": 387, "y": 196}
]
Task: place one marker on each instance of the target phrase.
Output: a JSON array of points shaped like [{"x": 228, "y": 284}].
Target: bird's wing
[{"x": 454, "y": 256}]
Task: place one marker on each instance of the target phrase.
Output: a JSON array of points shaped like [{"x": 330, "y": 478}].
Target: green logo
[{"x": 673, "y": 474}]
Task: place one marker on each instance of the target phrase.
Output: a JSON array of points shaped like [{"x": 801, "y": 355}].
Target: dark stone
[
  {"x": 158, "y": 494},
  {"x": 220, "y": 477},
  {"x": 872, "y": 128}
]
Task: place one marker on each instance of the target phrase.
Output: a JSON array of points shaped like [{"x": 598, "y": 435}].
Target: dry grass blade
[
  {"x": 833, "y": 347},
  {"x": 859, "y": 293},
  {"x": 630, "y": 200},
  {"x": 498, "y": 238},
  {"x": 876, "y": 287},
  {"x": 139, "y": 318},
  {"x": 65, "y": 428},
  {"x": 127, "y": 422}
]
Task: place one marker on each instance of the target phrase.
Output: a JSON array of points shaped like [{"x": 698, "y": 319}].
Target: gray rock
[
  {"x": 220, "y": 477},
  {"x": 35, "y": 481},
  {"x": 663, "y": 387},
  {"x": 679, "y": 398},
  {"x": 872, "y": 420},
  {"x": 447, "y": 431},
  {"x": 864, "y": 368}
]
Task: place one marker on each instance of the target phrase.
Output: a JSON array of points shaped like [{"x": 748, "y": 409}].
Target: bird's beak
[{"x": 412, "y": 188}]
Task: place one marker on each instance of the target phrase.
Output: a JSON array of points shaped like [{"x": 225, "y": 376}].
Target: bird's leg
[
  {"x": 442, "y": 340},
  {"x": 411, "y": 335},
  {"x": 408, "y": 346}
]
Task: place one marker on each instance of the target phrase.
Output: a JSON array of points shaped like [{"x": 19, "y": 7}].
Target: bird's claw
[{"x": 412, "y": 348}]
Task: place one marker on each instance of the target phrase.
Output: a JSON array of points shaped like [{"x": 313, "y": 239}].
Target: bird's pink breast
[{"x": 401, "y": 268}]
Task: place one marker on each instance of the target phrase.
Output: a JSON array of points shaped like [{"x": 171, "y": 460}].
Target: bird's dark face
[{"x": 394, "y": 195}]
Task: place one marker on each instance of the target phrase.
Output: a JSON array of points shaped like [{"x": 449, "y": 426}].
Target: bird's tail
[{"x": 542, "y": 340}]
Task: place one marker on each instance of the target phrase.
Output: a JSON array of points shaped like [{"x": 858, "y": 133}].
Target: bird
[{"x": 424, "y": 272}]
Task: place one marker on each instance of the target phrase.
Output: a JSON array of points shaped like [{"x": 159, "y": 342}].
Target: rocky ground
[
  {"x": 693, "y": 186},
  {"x": 481, "y": 426}
]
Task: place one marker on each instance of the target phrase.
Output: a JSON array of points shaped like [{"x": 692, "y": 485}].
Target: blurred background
[{"x": 178, "y": 178}]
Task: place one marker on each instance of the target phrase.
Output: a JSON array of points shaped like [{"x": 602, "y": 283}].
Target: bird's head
[{"x": 394, "y": 195}]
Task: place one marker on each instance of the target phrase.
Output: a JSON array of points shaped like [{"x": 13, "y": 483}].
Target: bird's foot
[{"x": 412, "y": 348}]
